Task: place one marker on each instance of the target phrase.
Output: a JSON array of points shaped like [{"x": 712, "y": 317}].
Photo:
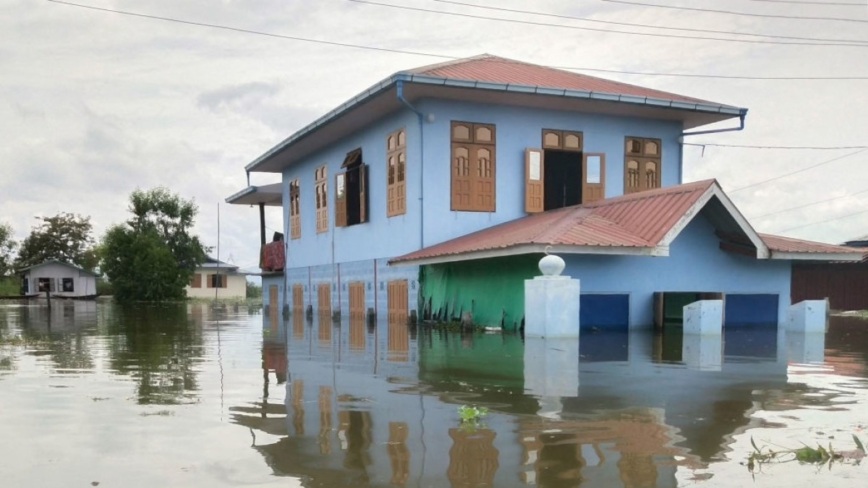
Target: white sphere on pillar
[{"x": 552, "y": 265}]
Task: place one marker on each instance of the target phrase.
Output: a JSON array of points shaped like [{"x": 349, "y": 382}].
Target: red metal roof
[
  {"x": 637, "y": 220},
  {"x": 502, "y": 70},
  {"x": 788, "y": 244}
]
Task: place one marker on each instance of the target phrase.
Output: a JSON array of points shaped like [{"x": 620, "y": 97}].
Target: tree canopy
[
  {"x": 7, "y": 247},
  {"x": 65, "y": 237},
  {"x": 153, "y": 255}
]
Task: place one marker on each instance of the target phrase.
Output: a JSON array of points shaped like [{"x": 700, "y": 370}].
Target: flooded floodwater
[{"x": 94, "y": 394}]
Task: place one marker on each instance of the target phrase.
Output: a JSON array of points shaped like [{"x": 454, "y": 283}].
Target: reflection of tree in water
[{"x": 158, "y": 346}]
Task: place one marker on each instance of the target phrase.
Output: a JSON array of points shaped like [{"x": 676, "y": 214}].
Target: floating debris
[{"x": 819, "y": 456}]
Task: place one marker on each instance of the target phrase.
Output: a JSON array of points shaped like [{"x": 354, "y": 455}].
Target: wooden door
[
  {"x": 272, "y": 305},
  {"x": 397, "y": 301},
  {"x": 658, "y": 309},
  {"x": 297, "y": 299},
  {"x": 324, "y": 298},
  {"x": 357, "y": 299}
]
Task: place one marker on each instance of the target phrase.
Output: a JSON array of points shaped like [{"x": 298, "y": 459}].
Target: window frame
[
  {"x": 642, "y": 157},
  {"x": 470, "y": 186},
  {"x": 321, "y": 205},
  {"x": 396, "y": 177}
]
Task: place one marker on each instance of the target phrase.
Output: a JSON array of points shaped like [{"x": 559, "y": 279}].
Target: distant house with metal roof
[
  {"x": 58, "y": 278},
  {"x": 436, "y": 190},
  {"x": 844, "y": 284},
  {"x": 217, "y": 279}
]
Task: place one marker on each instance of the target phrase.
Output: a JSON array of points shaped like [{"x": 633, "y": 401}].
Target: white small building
[
  {"x": 216, "y": 279},
  {"x": 60, "y": 279}
]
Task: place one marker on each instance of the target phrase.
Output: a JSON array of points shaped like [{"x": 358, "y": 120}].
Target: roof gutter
[
  {"x": 399, "y": 87},
  {"x": 741, "y": 116}
]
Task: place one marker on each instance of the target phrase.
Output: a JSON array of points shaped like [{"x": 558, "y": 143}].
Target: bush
[{"x": 10, "y": 286}]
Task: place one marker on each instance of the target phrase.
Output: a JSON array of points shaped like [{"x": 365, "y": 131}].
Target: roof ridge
[{"x": 644, "y": 195}]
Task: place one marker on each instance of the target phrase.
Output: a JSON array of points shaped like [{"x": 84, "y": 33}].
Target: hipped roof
[
  {"x": 492, "y": 80},
  {"x": 642, "y": 223}
]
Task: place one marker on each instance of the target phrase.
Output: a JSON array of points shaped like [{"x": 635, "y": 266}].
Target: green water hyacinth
[{"x": 471, "y": 414}]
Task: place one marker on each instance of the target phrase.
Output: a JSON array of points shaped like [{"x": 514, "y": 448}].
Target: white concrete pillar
[
  {"x": 807, "y": 316},
  {"x": 551, "y": 302},
  {"x": 806, "y": 347},
  {"x": 702, "y": 352},
  {"x": 704, "y": 317},
  {"x": 551, "y": 367}
]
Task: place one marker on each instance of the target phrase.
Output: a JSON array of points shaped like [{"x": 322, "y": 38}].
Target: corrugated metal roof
[
  {"x": 487, "y": 67},
  {"x": 639, "y": 220},
  {"x": 788, "y": 244}
]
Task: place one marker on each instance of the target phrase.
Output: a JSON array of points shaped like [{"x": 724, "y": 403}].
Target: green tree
[
  {"x": 65, "y": 237},
  {"x": 152, "y": 256},
  {"x": 7, "y": 248}
]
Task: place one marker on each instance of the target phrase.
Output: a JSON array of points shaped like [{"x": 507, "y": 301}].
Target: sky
[{"x": 95, "y": 104}]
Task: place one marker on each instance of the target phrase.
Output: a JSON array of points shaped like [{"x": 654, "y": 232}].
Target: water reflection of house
[{"x": 369, "y": 408}]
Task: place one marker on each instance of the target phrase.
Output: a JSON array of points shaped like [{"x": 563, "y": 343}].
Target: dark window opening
[
  {"x": 351, "y": 201},
  {"x": 218, "y": 281},
  {"x": 45, "y": 284},
  {"x": 25, "y": 285},
  {"x": 563, "y": 178},
  {"x": 68, "y": 285}
]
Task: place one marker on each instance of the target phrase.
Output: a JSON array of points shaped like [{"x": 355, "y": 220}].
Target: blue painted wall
[
  {"x": 516, "y": 129},
  {"x": 695, "y": 263}
]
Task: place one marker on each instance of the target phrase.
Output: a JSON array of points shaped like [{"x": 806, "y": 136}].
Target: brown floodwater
[{"x": 95, "y": 394}]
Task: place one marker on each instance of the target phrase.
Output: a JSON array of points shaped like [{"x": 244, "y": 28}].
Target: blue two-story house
[{"x": 437, "y": 190}]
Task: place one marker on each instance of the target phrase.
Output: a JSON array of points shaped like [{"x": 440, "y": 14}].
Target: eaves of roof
[{"x": 423, "y": 79}]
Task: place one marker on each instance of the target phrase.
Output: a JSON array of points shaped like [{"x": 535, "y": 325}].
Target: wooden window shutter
[
  {"x": 197, "y": 280},
  {"x": 552, "y": 139},
  {"x": 341, "y": 199},
  {"x": 396, "y": 159},
  {"x": 209, "y": 283},
  {"x": 534, "y": 180},
  {"x": 363, "y": 193},
  {"x": 642, "y": 164},
  {"x": 594, "y": 177},
  {"x": 484, "y": 191},
  {"x": 224, "y": 281},
  {"x": 461, "y": 189}
]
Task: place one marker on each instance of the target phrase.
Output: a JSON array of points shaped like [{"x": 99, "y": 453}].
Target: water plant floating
[
  {"x": 471, "y": 414},
  {"x": 819, "y": 456}
]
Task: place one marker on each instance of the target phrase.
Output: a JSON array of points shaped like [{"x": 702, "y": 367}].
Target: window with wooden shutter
[
  {"x": 593, "y": 177},
  {"x": 473, "y": 167},
  {"x": 642, "y": 158},
  {"x": 196, "y": 280},
  {"x": 396, "y": 161},
  {"x": 321, "y": 191},
  {"x": 294, "y": 214},
  {"x": 341, "y": 199},
  {"x": 534, "y": 182}
]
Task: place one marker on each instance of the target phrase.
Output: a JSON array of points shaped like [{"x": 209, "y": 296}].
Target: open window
[
  {"x": 217, "y": 281},
  {"x": 351, "y": 196},
  {"x": 322, "y": 207},
  {"x": 561, "y": 174},
  {"x": 294, "y": 214}
]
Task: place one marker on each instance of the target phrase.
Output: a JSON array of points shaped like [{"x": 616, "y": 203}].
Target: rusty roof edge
[{"x": 816, "y": 256}]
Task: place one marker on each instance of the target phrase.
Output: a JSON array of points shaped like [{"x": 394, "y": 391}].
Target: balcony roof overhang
[{"x": 267, "y": 195}]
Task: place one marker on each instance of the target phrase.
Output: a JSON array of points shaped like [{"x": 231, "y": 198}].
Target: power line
[
  {"x": 744, "y": 146},
  {"x": 442, "y": 56},
  {"x": 629, "y": 24},
  {"x": 594, "y": 29},
  {"x": 824, "y": 221},
  {"x": 797, "y": 2},
  {"x": 807, "y": 205},
  {"x": 797, "y": 171},
  {"x": 729, "y": 12}
]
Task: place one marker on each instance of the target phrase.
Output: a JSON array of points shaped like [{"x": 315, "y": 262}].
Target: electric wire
[
  {"x": 594, "y": 29},
  {"x": 745, "y": 146},
  {"x": 798, "y": 171},
  {"x": 730, "y": 12},
  {"x": 807, "y": 205},
  {"x": 630, "y": 24},
  {"x": 824, "y": 221},
  {"x": 443, "y": 56}
]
